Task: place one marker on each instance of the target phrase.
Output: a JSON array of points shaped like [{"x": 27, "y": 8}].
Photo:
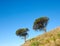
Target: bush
[
  {"x": 58, "y": 34},
  {"x": 36, "y": 43}
]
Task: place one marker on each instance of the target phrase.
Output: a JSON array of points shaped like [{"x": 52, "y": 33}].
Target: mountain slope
[{"x": 51, "y": 38}]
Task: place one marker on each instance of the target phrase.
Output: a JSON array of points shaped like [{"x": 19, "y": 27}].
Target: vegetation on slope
[{"x": 51, "y": 38}]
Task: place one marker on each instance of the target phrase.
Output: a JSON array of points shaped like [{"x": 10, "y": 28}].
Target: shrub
[
  {"x": 36, "y": 43},
  {"x": 58, "y": 34}
]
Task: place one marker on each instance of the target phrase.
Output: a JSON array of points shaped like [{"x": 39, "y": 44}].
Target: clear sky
[{"x": 15, "y": 14}]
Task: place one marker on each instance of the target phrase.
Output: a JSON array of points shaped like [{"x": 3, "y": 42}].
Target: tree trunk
[
  {"x": 25, "y": 38},
  {"x": 44, "y": 29}
]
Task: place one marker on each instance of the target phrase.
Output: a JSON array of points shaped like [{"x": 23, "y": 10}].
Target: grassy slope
[{"x": 51, "y": 38}]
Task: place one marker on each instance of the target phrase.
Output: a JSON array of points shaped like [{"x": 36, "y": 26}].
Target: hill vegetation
[{"x": 51, "y": 38}]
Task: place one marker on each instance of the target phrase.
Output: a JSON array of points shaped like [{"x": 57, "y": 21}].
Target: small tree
[
  {"x": 22, "y": 32},
  {"x": 40, "y": 23}
]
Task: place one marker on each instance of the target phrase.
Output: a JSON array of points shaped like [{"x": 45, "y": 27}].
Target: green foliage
[
  {"x": 58, "y": 34},
  {"x": 22, "y": 32},
  {"x": 52, "y": 38},
  {"x": 47, "y": 41},
  {"x": 40, "y": 23},
  {"x": 32, "y": 38},
  {"x": 35, "y": 43}
]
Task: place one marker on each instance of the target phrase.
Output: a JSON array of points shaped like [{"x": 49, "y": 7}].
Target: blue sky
[{"x": 15, "y": 14}]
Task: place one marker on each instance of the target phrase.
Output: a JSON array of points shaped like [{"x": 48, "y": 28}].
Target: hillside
[{"x": 51, "y": 38}]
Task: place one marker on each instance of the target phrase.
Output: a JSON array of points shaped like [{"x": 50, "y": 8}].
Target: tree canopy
[
  {"x": 40, "y": 23},
  {"x": 22, "y": 32}
]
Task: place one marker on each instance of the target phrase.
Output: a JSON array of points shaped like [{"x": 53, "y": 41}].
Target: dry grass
[{"x": 51, "y": 38}]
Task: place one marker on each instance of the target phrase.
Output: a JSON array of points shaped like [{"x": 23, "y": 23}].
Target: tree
[
  {"x": 23, "y": 32},
  {"x": 40, "y": 23}
]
